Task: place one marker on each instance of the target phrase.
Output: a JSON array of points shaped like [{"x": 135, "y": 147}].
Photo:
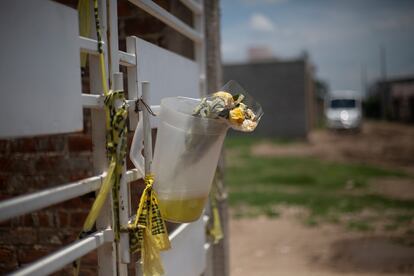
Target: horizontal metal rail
[
  {"x": 127, "y": 59},
  {"x": 97, "y": 101},
  {"x": 172, "y": 21},
  {"x": 66, "y": 255},
  {"x": 133, "y": 175},
  {"x": 90, "y": 46},
  {"x": 32, "y": 202},
  {"x": 195, "y": 7}
]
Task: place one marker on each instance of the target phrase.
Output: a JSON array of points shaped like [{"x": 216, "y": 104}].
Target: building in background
[
  {"x": 284, "y": 88},
  {"x": 259, "y": 53},
  {"x": 395, "y": 98}
]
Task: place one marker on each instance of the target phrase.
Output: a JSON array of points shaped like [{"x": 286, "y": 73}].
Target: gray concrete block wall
[{"x": 280, "y": 87}]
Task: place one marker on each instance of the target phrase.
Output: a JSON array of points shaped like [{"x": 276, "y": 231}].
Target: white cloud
[{"x": 261, "y": 23}]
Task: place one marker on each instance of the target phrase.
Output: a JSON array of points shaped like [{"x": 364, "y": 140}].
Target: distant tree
[
  {"x": 321, "y": 88},
  {"x": 372, "y": 103}
]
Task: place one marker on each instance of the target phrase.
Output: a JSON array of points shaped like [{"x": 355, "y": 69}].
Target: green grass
[
  {"x": 326, "y": 189},
  {"x": 359, "y": 225}
]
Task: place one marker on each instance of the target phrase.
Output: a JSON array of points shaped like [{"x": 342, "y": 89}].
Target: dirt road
[
  {"x": 285, "y": 246},
  {"x": 379, "y": 143}
]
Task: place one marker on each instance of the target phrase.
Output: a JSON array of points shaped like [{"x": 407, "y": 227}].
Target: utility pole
[
  {"x": 383, "y": 62},
  {"x": 384, "y": 87},
  {"x": 363, "y": 80}
]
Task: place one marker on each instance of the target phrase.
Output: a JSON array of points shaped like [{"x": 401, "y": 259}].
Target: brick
[
  {"x": 8, "y": 258},
  {"x": 17, "y": 185},
  {"x": 5, "y": 164},
  {"x": 3, "y": 180},
  {"x": 47, "y": 236},
  {"x": 90, "y": 259},
  {"x": 18, "y": 236},
  {"x": 4, "y": 146},
  {"x": 23, "y": 145},
  {"x": 45, "y": 179},
  {"x": 87, "y": 271},
  {"x": 79, "y": 162},
  {"x": 79, "y": 175},
  {"x": 79, "y": 203},
  {"x": 21, "y": 164},
  {"x": 77, "y": 218},
  {"x": 62, "y": 219},
  {"x": 17, "y": 222},
  {"x": 51, "y": 163},
  {"x": 79, "y": 142},
  {"x": 68, "y": 235},
  {"x": 6, "y": 223},
  {"x": 27, "y": 220},
  {"x": 28, "y": 254},
  {"x": 66, "y": 271},
  {"x": 51, "y": 143},
  {"x": 46, "y": 219},
  {"x": 40, "y": 219}
]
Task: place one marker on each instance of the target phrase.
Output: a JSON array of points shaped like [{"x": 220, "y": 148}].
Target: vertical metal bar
[
  {"x": 123, "y": 246},
  {"x": 147, "y": 145},
  {"x": 113, "y": 37},
  {"x": 200, "y": 57},
  {"x": 147, "y": 128},
  {"x": 132, "y": 80},
  {"x": 106, "y": 253},
  {"x": 200, "y": 51},
  {"x": 117, "y": 84}
]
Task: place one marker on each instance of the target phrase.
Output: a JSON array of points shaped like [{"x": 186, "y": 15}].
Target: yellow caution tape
[
  {"x": 148, "y": 232},
  {"x": 84, "y": 24},
  {"x": 116, "y": 131},
  {"x": 116, "y": 149},
  {"x": 216, "y": 231}
]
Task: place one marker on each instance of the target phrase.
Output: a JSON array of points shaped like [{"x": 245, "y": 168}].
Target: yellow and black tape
[{"x": 148, "y": 232}]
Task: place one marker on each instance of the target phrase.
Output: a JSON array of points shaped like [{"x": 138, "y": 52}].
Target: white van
[{"x": 343, "y": 110}]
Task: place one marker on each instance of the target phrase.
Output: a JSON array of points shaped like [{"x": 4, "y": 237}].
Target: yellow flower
[
  {"x": 227, "y": 97},
  {"x": 236, "y": 116}
]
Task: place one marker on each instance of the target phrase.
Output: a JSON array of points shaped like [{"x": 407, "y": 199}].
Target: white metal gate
[{"x": 169, "y": 75}]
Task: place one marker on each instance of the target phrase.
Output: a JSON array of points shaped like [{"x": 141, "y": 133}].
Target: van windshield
[{"x": 343, "y": 103}]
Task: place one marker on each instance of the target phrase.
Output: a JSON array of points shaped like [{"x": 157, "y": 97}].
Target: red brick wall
[{"x": 32, "y": 164}]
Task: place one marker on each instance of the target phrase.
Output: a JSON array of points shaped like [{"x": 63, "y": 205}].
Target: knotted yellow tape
[
  {"x": 116, "y": 150},
  {"x": 216, "y": 231},
  {"x": 116, "y": 130},
  {"x": 84, "y": 24},
  {"x": 148, "y": 232}
]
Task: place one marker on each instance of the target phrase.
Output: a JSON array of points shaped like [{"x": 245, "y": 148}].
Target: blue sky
[{"x": 341, "y": 37}]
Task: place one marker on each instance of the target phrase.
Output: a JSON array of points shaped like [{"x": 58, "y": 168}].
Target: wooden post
[{"x": 219, "y": 255}]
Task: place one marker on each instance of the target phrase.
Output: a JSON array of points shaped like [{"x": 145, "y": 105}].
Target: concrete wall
[{"x": 284, "y": 91}]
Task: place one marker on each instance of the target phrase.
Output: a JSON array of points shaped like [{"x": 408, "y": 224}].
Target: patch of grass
[
  {"x": 359, "y": 225},
  {"x": 240, "y": 142},
  {"x": 327, "y": 189},
  {"x": 270, "y": 212},
  {"x": 302, "y": 171},
  {"x": 391, "y": 227},
  {"x": 403, "y": 218},
  {"x": 319, "y": 203},
  {"x": 311, "y": 221}
]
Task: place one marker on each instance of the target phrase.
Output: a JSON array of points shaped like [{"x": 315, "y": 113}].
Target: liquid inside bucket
[
  {"x": 185, "y": 159},
  {"x": 182, "y": 210}
]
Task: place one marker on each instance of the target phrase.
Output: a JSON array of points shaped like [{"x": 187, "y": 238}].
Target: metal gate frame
[{"x": 103, "y": 239}]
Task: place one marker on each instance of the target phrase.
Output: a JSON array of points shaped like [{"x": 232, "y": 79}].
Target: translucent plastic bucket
[{"x": 185, "y": 158}]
